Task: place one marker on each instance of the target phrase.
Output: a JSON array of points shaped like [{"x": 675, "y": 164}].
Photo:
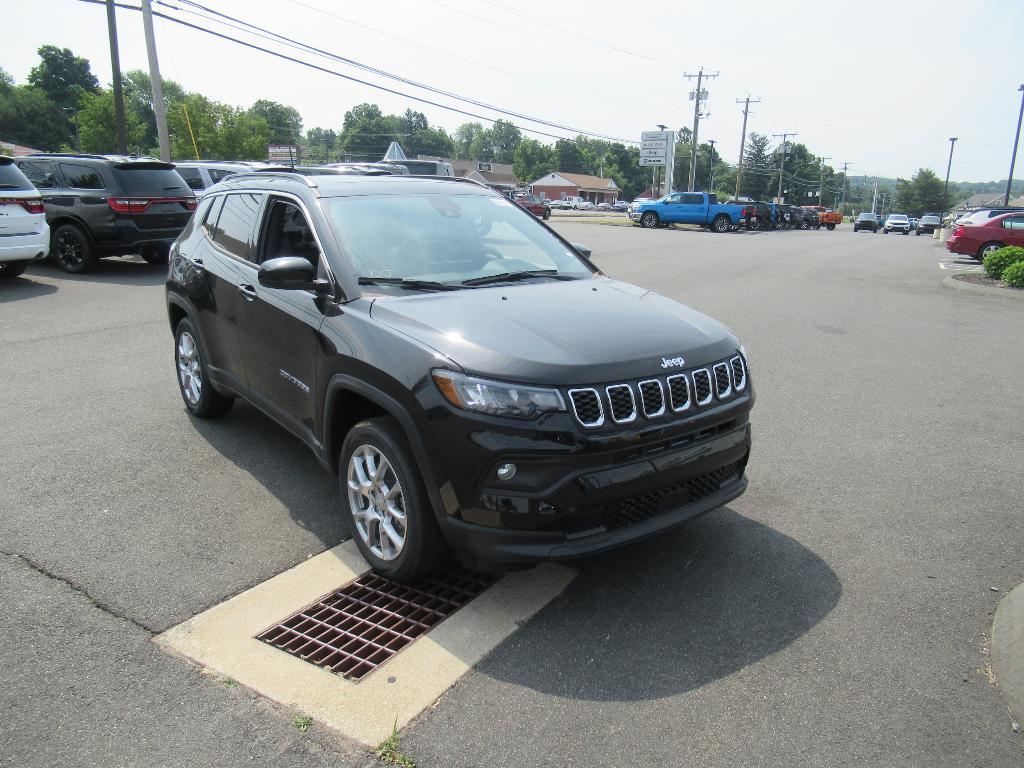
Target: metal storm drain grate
[{"x": 353, "y": 631}]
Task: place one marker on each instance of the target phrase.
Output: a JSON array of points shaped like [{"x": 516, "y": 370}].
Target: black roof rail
[{"x": 89, "y": 156}]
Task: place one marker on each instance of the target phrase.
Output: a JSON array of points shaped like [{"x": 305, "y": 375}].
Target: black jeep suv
[
  {"x": 106, "y": 205},
  {"x": 475, "y": 381}
]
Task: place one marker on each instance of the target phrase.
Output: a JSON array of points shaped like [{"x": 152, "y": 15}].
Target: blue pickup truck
[{"x": 690, "y": 208}]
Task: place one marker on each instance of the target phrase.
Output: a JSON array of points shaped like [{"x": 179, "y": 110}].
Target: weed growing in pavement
[
  {"x": 302, "y": 722},
  {"x": 388, "y": 750},
  {"x": 229, "y": 682}
]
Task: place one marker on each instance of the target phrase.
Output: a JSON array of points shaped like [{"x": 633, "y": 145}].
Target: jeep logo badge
[{"x": 672, "y": 362}]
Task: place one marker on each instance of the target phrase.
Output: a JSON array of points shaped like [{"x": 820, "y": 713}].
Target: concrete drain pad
[{"x": 353, "y": 650}]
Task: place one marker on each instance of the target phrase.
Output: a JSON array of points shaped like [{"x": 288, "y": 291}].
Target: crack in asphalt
[{"x": 33, "y": 565}]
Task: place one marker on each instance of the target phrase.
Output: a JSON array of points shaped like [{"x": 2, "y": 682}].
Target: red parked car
[
  {"x": 977, "y": 240},
  {"x": 534, "y": 205}
]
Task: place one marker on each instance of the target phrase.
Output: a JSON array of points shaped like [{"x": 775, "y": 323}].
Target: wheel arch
[
  {"x": 60, "y": 221},
  {"x": 347, "y": 401}
]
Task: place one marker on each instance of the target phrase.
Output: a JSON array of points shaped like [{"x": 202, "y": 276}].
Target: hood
[{"x": 558, "y": 333}]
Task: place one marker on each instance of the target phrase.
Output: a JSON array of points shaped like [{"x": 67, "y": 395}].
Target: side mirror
[
  {"x": 582, "y": 250},
  {"x": 291, "y": 273}
]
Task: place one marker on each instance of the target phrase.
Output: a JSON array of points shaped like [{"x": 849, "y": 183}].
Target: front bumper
[{"x": 576, "y": 497}]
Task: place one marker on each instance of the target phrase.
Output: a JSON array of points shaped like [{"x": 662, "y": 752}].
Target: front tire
[
  {"x": 720, "y": 223},
  {"x": 830, "y": 227},
  {"x": 649, "y": 220},
  {"x": 754, "y": 224},
  {"x": 11, "y": 269},
  {"x": 197, "y": 392},
  {"x": 547, "y": 214},
  {"x": 388, "y": 508},
  {"x": 155, "y": 254},
  {"x": 73, "y": 251}
]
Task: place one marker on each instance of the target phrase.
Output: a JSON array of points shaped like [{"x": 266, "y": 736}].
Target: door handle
[{"x": 247, "y": 291}]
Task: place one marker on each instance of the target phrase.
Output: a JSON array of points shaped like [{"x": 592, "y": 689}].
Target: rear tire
[
  {"x": 987, "y": 248},
  {"x": 197, "y": 392},
  {"x": 754, "y": 224},
  {"x": 385, "y": 499},
  {"x": 830, "y": 227},
  {"x": 72, "y": 250},
  {"x": 12, "y": 269}
]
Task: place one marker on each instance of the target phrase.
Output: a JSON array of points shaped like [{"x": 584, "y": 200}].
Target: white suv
[
  {"x": 897, "y": 222},
  {"x": 24, "y": 233}
]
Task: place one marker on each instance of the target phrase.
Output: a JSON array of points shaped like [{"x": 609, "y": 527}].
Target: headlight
[{"x": 495, "y": 397}]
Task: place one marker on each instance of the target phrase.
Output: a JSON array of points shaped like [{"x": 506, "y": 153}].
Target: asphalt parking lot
[{"x": 834, "y": 615}]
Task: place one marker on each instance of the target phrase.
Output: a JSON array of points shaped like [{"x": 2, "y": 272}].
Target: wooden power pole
[
  {"x": 743, "y": 138},
  {"x": 157, "y": 85}
]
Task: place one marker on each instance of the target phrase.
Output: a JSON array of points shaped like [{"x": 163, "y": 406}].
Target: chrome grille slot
[
  {"x": 652, "y": 398},
  {"x": 679, "y": 392},
  {"x": 723, "y": 384},
  {"x": 586, "y": 404},
  {"x": 702, "y": 390},
  {"x": 622, "y": 403},
  {"x": 739, "y": 373}
]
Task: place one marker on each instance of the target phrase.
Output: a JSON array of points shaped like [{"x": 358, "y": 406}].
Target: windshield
[
  {"x": 929, "y": 219},
  {"x": 445, "y": 238},
  {"x": 865, "y": 217}
]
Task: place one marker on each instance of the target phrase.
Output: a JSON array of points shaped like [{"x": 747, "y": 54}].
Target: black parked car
[
  {"x": 811, "y": 218},
  {"x": 796, "y": 217},
  {"x": 866, "y": 221},
  {"x": 762, "y": 214},
  {"x": 475, "y": 381},
  {"x": 107, "y": 205}
]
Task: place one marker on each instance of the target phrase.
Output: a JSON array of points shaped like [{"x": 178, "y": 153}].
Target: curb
[
  {"x": 981, "y": 290},
  {"x": 1008, "y": 650}
]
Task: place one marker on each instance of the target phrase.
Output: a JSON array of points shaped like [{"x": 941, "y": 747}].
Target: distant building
[
  {"x": 982, "y": 200},
  {"x": 596, "y": 189},
  {"x": 499, "y": 176},
  {"x": 16, "y": 150}
]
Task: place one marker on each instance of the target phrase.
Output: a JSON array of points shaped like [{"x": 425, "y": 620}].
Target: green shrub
[
  {"x": 1014, "y": 274},
  {"x": 1000, "y": 259}
]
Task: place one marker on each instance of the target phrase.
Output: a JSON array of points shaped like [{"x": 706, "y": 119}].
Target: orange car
[{"x": 826, "y": 216}]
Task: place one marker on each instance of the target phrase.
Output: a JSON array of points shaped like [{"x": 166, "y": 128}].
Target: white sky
[{"x": 882, "y": 85}]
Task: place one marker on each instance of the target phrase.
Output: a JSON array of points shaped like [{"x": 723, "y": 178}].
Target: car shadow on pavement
[
  {"x": 23, "y": 288},
  {"x": 128, "y": 270},
  {"x": 283, "y": 465},
  {"x": 671, "y": 613}
]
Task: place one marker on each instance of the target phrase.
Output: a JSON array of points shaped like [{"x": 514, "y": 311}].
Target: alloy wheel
[
  {"x": 70, "y": 250},
  {"x": 377, "y": 503},
  {"x": 189, "y": 369}
]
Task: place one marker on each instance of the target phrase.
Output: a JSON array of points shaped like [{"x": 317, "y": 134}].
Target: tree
[
  {"x": 533, "y": 160},
  {"x": 320, "y": 145},
  {"x": 96, "y": 124},
  {"x": 570, "y": 156},
  {"x": 366, "y": 133},
  {"x": 138, "y": 100},
  {"x": 757, "y": 168},
  {"x": 62, "y": 76},
  {"x": 29, "y": 117},
  {"x": 466, "y": 135},
  {"x": 285, "y": 122},
  {"x": 431, "y": 141},
  {"x": 220, "y": 130},
  {"x": 921, "y": 194}
]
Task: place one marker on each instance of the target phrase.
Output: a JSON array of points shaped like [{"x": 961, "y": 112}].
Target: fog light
[{"x": 506, "y": 471}]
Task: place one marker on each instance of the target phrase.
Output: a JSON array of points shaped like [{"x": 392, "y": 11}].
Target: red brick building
[{"x": 596, "y": 189}]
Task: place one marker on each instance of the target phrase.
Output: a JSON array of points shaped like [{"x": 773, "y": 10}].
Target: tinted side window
[
  {"x": 39, "y": 173},
  {"x": 218, "y": 175},
  {"x": 81, "y": 176},
  {"x": 207, "y": 215},
  {"x": 192, "y": 177},
  {"x": 237, "y": 223},
  {"x": 693, "y": 199},
  {"x": 288, "y": 233},
  {"x": 1015, "y": 222}
]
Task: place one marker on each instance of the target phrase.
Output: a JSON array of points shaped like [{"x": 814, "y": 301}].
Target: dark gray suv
[{"x": 107, "y": 205}]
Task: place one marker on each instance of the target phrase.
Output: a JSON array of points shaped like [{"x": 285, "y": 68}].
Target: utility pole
[
  {"x": 874, "y": 196},
  {"x": 1013, "y": 157},
  {"x": 156, "y": 83},
  {"x": 945, "y": 187},
  {"x": 782, "y": 161},
  {"x": 743, "y": 139},
  {"x": 115, "y": 68},
  {"x": 670, "y": 160},
  {"x": 711, "y": 174},
  {"x": 842, "y": 205},
  {"x": 821, "y": 182},
  {"x": 696, "y": 123}
]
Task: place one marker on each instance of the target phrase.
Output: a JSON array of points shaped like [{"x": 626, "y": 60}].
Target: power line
[
  {"x": 350, "y": 78},
  {"x": 290, "y": 42}
]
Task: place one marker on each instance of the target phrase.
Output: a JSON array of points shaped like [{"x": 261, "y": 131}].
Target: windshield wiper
[
  {"x": 405, "y": 282},
  {"x": 507, "y": 277}
]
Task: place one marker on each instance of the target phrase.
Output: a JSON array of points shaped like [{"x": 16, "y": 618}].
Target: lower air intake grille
[{"x": 644, "y": 506}]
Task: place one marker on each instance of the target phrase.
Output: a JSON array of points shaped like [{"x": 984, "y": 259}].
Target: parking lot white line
[{"x": 222, "y": 639}]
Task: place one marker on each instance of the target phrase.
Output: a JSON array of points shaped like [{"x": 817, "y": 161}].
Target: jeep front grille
[
  {"x": 622, "y": 402},
  {"x": 649, "y": 399},
  {"x": 652, "y": 398},
  {"x": 586, "y": 404}
]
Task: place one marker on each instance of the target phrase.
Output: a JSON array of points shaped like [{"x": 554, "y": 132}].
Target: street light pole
[
  {"x": 711, "y": 173},
  {"x": 821, "y": 182},
  {"x": 1013, "y": 158},
  {"x": 945, "y": 187}
]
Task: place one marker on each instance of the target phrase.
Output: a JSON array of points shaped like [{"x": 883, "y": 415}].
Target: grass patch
[
  {"x": 388, "y": 750},
  {"x": 302, "y": 722}
]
